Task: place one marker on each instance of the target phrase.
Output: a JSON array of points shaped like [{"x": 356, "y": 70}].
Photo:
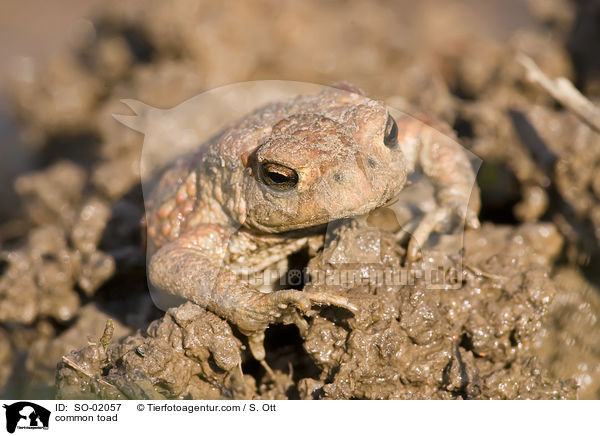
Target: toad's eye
[
  {"x": 278, "y": 177},
  {"x": 391, "y": 133}
]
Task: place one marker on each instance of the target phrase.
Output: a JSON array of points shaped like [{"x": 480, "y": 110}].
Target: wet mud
[{"x": 520, "y": 321}]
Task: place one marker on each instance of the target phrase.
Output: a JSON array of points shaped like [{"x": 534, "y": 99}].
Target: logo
[{"x": 26, "y": 415}]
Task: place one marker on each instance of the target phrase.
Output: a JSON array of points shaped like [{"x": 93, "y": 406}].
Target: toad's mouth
[
  {"x": 393, "y": 200},
  {"x": 316, "y": 224}
]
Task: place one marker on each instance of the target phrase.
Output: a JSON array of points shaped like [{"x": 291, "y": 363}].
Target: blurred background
[
  {"x": 35, "y": 31},
  {"x": 70, "y": 200}
]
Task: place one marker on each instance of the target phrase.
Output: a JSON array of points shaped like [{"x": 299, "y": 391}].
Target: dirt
[
  {"x": 523, "y": 319},
  {"x": 407, "y": 342}
]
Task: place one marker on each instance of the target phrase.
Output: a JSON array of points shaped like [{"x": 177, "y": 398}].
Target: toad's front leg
[
  {"x": 192, "y": 267},
  {"x": 446, "y": 164}
]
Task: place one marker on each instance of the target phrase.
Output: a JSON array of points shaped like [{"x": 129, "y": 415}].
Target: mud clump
[
  {"x": 470, "y": 342},
  {"x": 407, "y": 341},
  {"x": 522, "y": 321},
  {"x": 39, "y": 279},
  {"x": 190, "y": 353},
  {"x": 567, "y": 344}
]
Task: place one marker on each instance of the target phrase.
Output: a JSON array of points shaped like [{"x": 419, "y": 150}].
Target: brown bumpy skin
[{"x": 251, "y": 196}]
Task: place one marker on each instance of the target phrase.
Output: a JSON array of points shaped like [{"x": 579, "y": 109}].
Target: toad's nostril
[{"x": 338, "y": 177}]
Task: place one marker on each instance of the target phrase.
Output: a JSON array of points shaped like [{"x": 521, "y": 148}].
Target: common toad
[{"x": 263, "y": 187}]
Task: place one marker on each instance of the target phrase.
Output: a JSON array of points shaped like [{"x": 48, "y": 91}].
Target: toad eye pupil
[
  {"x": 390, "y": 138},
  {"x": 278, "y": 177}
]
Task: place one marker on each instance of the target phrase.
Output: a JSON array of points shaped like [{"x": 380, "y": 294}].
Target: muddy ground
[{"x": 523, "y": 322}]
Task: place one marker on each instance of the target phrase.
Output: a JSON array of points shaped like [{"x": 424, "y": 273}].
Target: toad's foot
[
  {"x": 183, "y": 268},
  {"x": 260, "y": 310},
  {"x": 448, "y": 167},
  {"x": 434, "y": 219}
]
